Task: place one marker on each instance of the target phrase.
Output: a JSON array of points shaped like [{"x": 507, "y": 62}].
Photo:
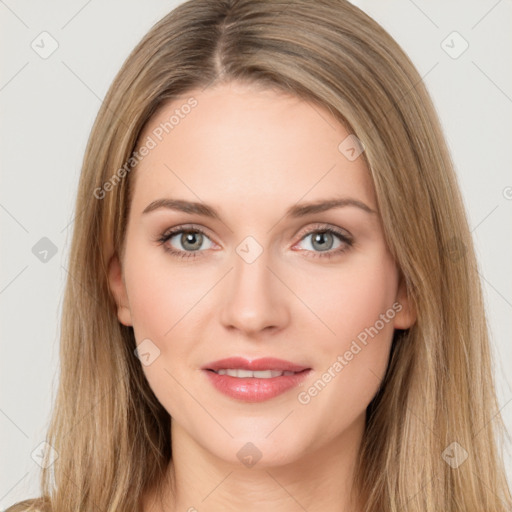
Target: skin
[{"x": 252, "y": 153}]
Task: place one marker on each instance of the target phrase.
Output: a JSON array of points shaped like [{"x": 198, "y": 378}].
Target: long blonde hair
[{"x": 112, "y": 435}]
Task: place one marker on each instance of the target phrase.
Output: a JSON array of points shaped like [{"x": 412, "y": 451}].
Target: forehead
[{"x": 239, "y": 144}]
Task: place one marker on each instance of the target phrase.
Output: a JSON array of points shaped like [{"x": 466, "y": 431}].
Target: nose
[{"x": 254, "y": 298}]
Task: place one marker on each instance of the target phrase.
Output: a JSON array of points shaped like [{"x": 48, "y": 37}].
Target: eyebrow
[{"x": 295, "y": 211}]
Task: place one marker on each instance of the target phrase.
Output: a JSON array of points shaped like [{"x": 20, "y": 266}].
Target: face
[{"x": 314, "y": 287}]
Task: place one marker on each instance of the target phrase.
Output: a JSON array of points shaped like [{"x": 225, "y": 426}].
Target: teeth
[{"x": 263, "y": 374}]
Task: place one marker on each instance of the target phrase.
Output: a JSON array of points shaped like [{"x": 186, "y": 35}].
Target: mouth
[{"x": 257, "y": 380}]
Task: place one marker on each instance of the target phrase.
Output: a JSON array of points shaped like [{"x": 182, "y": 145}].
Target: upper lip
[{"x": 264, "y": 363}]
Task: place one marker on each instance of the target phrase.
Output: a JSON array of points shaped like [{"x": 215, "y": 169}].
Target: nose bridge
[
  {"x": 253, "y": 300},
  {"x": 251, "y": 271}
]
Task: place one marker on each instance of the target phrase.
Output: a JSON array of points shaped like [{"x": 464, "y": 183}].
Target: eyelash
[{"x": 167, "y": 235}]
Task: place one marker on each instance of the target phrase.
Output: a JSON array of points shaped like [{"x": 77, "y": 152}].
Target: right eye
[{"x": 190, "y": 238}]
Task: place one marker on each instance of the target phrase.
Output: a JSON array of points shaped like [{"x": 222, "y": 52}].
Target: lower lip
[{"x": 252, "y": 389}]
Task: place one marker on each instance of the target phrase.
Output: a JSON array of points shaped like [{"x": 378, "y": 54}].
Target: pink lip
[
  {"x": 264, "y": 363},
  {"x": 252, "y": 389}
]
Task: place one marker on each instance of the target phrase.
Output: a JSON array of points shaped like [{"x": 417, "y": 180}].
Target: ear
[
  {"x": 406, "y": 312},
  {"x": 118, "y": 289}
]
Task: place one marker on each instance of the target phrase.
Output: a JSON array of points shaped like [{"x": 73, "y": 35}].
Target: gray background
[{"x": 48, "y": 107}]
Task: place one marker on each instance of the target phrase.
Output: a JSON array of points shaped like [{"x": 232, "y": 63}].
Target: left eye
[{"x": 324, "y": 239}]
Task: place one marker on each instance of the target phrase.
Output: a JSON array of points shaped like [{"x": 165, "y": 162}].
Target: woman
[{"x": 261, "y": 133}]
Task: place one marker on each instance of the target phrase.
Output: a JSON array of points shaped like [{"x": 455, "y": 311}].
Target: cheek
[
  {"x": 352, "y": 297},
  {"x": 352, "y": 363},
  {"x": 160, "y": 294},
  {"x": 358, "y": 306},
  {"x": 161, "y": 297}
]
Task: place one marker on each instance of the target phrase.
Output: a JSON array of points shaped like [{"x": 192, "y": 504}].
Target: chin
[{"x": 258, "y": 451}]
